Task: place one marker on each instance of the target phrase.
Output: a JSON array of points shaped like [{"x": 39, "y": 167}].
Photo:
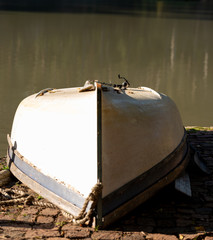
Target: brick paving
[{"x": 170, "y": 215}]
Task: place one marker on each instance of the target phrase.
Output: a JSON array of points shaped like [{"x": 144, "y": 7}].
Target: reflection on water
[{"x": 171, "y": 55}]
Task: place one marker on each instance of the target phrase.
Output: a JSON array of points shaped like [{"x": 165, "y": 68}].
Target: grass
[
  {"x": 39, "y": 197},
  {"x": 60, "y": 224},
  {"x": 5, "y": 167},
  {"x": 198, "y": 128}
]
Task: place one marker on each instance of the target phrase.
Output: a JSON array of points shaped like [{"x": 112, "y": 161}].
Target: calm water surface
[{"x": 173, "y": 55}]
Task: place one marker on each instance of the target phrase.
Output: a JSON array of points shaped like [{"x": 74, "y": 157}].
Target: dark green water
[{"x": 169, "y": 52}]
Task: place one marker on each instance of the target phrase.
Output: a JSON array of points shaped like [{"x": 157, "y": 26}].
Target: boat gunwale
[
  {"x": 144, "y": 181},
  {"x": 16, "y": 162},
  {"x": 135, "y": 202}
]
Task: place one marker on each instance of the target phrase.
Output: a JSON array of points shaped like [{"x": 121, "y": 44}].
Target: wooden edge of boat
[
  {"x": 98, "y": 219},
  {"x": 34, "y": 185},
  {"x": 55, "y": 199},
  {"x": 134, "y": 202}
]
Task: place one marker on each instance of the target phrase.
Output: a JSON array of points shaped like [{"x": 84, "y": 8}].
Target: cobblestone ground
[{"x": 168, "y": 215}]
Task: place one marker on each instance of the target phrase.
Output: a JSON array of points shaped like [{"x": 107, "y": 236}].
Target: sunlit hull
[{"x": 130, "y": 142}]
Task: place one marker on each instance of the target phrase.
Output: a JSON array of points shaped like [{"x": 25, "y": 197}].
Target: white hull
[{"x": 67, "y": 141}]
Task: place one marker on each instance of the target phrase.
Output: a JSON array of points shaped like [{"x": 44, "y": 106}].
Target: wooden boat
[{"x": 99, "y": 151}]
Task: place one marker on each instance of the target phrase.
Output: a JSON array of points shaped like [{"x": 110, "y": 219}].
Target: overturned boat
[{"x": 99, "y": 151}]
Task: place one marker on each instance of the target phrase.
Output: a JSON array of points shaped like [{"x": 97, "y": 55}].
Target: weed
[
  {"x": 5, "y": 167},
  {"x": 97, "y": 228},
  {"x": 60, "y": 224},
  {"x": 39, "y": 197}
]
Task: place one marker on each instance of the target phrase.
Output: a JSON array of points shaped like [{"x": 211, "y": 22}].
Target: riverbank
[{"x": 168, "y": 215}]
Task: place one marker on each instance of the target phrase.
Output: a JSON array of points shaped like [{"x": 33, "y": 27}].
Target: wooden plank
[
  {"x": 99, "y": 153},
  {"x": 182, "y": 184}
]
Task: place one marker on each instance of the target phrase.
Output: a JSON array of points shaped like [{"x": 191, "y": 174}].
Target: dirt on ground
[{"x": 168, "y": 215}]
